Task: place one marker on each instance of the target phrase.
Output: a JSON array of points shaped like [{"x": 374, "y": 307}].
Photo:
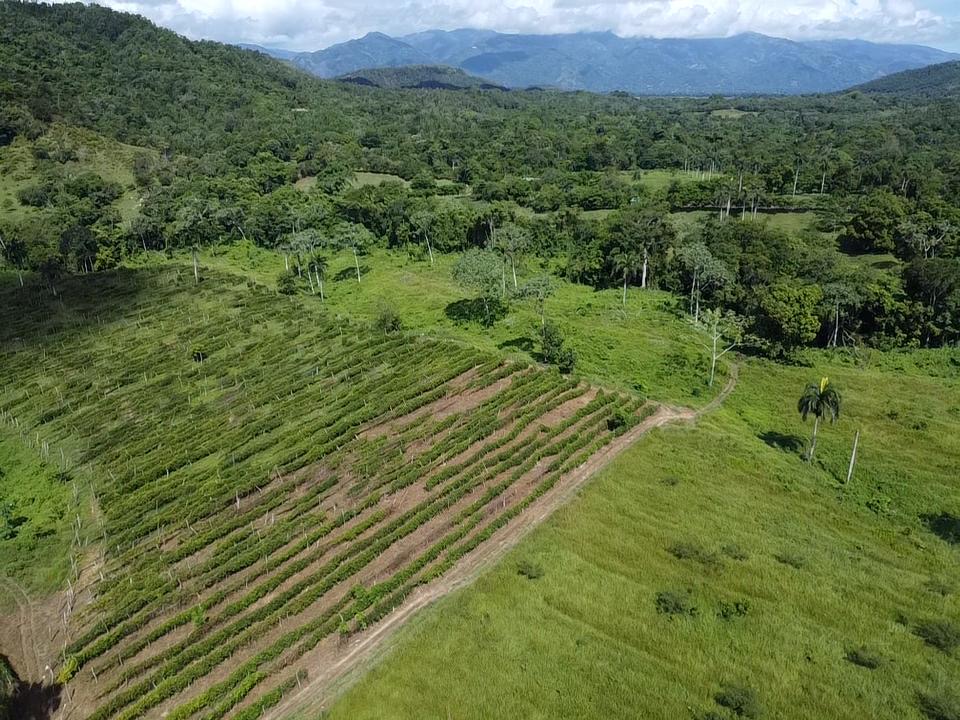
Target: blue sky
[{"x": 314, "y": 24}]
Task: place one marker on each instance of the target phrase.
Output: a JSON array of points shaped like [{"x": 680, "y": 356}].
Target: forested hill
[
  {"x": 439, "y": 77},
  {"x": 934, "y": 82},
  {"x": 220, "y": 145},
  {"x": 123, "y": 76}
]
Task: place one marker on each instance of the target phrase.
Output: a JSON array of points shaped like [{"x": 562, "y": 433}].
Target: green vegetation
[
  {"x": 736, "y": 492},
  {"x": 275, "y": 352},
  {"x": 40, "y": 500},
  {"x": 252, "y": 454}
]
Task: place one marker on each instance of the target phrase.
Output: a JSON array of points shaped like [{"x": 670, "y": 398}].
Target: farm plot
[{"x": 267, "y": 478}]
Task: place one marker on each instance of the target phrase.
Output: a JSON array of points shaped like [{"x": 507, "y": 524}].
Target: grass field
[
  {"x": 713, "y": 563},
  {"x": 647, "y": 348}
]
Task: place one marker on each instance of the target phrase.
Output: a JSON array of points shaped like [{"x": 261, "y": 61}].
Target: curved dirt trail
[{"x": 342, "y": 664}]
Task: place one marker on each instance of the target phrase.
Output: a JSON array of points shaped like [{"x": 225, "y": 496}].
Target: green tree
[
  {"x": 319, "y": 265},
  {"x": 538, "y": 289},
  {"x": 704, "y": 271},
  {"x": 480, "y": 271},
  {"x": 789, "y": 314},
  {"x": 821, "y": 400},
  {"x": 512, "y": 241}
]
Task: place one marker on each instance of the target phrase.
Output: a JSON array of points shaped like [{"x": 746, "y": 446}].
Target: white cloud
[{"x": 313, "y": 24}]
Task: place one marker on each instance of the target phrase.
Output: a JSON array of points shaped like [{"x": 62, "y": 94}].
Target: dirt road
[{"x": 347, "y": 663}]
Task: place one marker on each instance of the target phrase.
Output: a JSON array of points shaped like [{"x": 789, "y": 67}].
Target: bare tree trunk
[
  {"x": 624, "y": 288},
  {"x": 853, "y": 457},
  {"x": 713, "y": 359},
  {"x": 513, "y": 267},
  {"x": 823, "y": 182},
  {"x": 310, "y": 280},
  {"x": 429, "y": 248},
  {"x": 286, "y": 262},
  {"x": 320, "y": 285},
  {"x": 813, "y": 441},
  {"x": 196, "y": 270},
  {"x": 356, "y": 262},
  {"x": 836, "y": 323},
  {"x": 796, "y": 179},
  {"x": 643, "y": 275}
]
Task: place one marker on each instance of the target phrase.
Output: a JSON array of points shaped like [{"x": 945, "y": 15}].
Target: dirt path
[
  {"x": 23, "y": 623},
  {"x": 326, "y": 682}
]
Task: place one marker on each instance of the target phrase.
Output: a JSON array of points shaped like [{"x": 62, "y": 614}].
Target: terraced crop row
[{"x": 269, "y": 479}]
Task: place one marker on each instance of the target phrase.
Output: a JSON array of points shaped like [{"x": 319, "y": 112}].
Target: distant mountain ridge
[{"x": 603, "y": 62}]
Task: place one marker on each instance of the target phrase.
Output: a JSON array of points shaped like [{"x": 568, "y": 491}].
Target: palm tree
[
  {"x": 319, "y": 263},
  {"x": 626, "y": 262},
  {"x": 820, "y": 400}
]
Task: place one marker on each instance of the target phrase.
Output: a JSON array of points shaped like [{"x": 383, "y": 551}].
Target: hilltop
[{"x": 424, "y": 77}]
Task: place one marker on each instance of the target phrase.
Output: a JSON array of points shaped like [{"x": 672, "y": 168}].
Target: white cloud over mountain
[{"x": 313, "y": 24}]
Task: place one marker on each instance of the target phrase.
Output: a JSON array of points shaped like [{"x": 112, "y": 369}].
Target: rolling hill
[
  {"x": 935, "y": 81},
  {"x": 437, "y": 77},
  {"x": 601, "y": 61}
]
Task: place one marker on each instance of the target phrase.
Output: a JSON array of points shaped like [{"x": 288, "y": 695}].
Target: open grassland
[
  {"x": 87, "y": 151},
  {"x": 269, "y": 478},
  {"x": 647, "y": 347},
  {"x": 710, "y": 572}
]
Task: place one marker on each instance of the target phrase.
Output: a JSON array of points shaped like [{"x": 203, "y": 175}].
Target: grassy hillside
[
  {"x": 647, "y": 347},
  {"x": 270, "y": 477},
  {"x": 712, "y": 565},
  {"x": 64, "y": 152}
]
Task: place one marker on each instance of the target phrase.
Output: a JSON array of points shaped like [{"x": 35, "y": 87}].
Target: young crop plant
[{"x": 253, "y": 456}]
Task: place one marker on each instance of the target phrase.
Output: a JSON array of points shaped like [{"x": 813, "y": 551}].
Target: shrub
[
  {"x": 618, "y": 421},
  {"x": 530, "y": 570},
  {"x": 940, "y": 705},
  {"x": 553, "y": 350},
  {"x": 794, "y": 561},
  {"x": 671, "y": 481},
  {"x": 388, "y": 321},
  {"x": 671, "y": 602},
  {"x": 941, "y": 634},
  {"x": 742, "y": 701},
  {"x": 731, "y": 610},
  {"x": 286, "y": 283},
  {"x": 735, "y": 552},
  {"x": 690, "y": 551},
  {"x": 864, "y": 657}
]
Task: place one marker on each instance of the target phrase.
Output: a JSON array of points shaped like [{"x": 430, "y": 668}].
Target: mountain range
[{"x": 601, "y": 61}]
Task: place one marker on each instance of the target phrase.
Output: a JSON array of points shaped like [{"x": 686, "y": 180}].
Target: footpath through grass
[{"x": 711, "y": 573}]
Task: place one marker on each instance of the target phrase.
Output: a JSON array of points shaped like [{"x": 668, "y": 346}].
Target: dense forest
[{"x": 231, "y": 145}]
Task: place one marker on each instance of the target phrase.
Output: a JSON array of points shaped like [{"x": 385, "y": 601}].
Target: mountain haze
[{"x": 603, "y": 62}]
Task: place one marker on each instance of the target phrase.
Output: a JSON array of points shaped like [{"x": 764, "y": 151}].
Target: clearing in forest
[{"x": 267, "y": 479}]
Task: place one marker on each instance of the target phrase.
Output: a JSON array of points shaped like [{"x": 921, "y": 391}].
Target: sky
[{"x": 315, "y": 24}]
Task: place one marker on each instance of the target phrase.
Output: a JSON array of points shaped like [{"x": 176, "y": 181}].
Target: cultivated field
[{"x": 259, "y": 480}]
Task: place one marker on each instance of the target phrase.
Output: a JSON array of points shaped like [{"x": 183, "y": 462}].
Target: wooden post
[{"x": 853, "y": 456}]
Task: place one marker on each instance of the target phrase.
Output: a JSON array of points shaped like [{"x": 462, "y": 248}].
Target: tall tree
[{"x": 822, "y": 400}]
